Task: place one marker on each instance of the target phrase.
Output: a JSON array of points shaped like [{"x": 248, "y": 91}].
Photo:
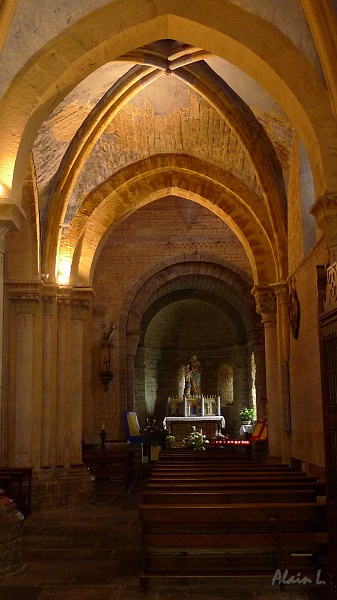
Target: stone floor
[{"x": 94, "y": 552}]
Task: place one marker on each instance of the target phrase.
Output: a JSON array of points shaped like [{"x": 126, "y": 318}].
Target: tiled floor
[{"x": 94, "y": 553}]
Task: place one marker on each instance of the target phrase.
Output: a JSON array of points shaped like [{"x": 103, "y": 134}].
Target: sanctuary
[{"x": 191, "y": 407}]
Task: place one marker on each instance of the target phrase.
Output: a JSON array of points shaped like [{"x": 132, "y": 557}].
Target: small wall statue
[{"x": 106, "y": 345}]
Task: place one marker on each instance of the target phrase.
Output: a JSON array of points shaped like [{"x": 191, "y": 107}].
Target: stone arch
[
  {"x": 231, "y": 33},
  {"x": 217, "y": 93},
  {"x": 159, "y": 176},
  {"x": 160, "y": 278}
]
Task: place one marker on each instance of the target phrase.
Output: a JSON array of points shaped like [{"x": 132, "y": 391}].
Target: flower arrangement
[
  {"x": 170, "y": 439},
  {"x": 195, "y": 440},
  {"x": 247, "y": 414},
  {"x": 154, "y": 434}
]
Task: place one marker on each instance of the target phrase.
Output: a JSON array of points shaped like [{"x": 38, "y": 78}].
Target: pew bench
[
  {"x": 228, "y": 496},
  {"x": 203, "y": 486},
  {"x": 226, "y": 540}
]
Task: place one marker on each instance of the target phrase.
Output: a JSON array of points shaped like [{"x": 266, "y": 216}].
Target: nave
[{"x": 95, "y": 551}]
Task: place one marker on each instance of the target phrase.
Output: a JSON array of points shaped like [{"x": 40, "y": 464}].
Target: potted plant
[{"x": 247, "y": 415}]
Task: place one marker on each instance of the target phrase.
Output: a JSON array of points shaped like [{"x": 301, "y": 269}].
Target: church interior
[{"x": 168, "y": 212}]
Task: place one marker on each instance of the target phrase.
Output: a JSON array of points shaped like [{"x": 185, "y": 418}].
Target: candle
[{"x": 103, "y": 426}]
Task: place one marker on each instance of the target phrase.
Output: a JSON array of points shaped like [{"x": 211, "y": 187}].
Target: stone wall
[{"x": 161, "y": 230}]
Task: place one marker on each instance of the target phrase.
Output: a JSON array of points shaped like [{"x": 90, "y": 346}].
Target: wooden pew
[
  {"x": 16, "y": 483},
  {"x": 152, "y": 496},
  {"x": 318, "y": 487},
  {"x": 231, "y": 477},
  {"x": 225, "y": 540}
]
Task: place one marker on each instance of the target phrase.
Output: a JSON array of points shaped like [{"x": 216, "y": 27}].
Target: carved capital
[
  {"x": 63, "y": 303},
  {"x": 281, "y": 290},
  {"x": 325, "y": 212},
  {"x": 265, "y": 302},
  {"x": 81, "y": 302},
  {"x": 49, "y": 301},
  {"x": 25, "y": 302},
  {"x": 79, "y": 308}
]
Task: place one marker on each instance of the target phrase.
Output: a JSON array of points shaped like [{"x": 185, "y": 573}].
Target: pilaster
[
  {"x": 63, "y": 379},
  {"x": 79, "y": 306},
  {"x": 282, "y": 294},
  {"x": 25, "y": 303},
  {"x": 48, "y": 409}
]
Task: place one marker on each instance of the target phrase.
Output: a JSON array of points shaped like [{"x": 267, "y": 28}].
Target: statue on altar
[{"x": 193, "y": 378}]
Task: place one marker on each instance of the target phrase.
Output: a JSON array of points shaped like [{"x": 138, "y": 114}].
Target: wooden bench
[
  {"x": 235, "y": 485},
  {"x": 229, "y": 477},
  {"x": 226, "y": 540},
  {"x": 228, "y": 496},
  {"x": 16, "y": 483}
]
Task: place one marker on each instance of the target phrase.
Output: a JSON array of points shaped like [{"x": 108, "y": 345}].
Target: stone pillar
[
  {"x": 25, "y": 308},
  {"x": 78, "y": 308},
  {"x": 132, "y": 343},
  {"x": 266, "y": 307},
  {"x": 282, "y": 294},
  {"x": 3, "y": 231},
  {"x": 48, "y": 417},
  {"x": 62, "y": 401}
]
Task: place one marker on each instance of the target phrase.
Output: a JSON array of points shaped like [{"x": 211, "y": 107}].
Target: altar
[{"x": 181, "y": 427}]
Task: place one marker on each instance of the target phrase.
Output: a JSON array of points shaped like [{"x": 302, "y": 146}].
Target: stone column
[
  {"x": 282, "y": 294},
  {"x": 48, "y": 416},
  {"x": 62, "y": 401},
  {"x": 266, "y": 307},
  {"x": 3, "y": 231},
  {"x": 132, "y": 343},
  {"x": 25, "y": 309},
  {"x": 78, "y": 308}
]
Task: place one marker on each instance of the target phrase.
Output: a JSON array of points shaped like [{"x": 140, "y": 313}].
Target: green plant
[
  {"x": 170, "y": 439},
  {"x": 195, "y": 440},
  {"x": 247, "y": 414}
]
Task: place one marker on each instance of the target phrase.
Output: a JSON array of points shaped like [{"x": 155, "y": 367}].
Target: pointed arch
[
  {"x": 163, "y": 175},
  {"x": 232, "y": 33}
]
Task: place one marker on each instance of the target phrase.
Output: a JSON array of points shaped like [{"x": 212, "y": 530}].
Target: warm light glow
[
  {"x": 2, "y": 189},
  {"x": 63, "y": 275},
  {"x": 63, "y": 279}
]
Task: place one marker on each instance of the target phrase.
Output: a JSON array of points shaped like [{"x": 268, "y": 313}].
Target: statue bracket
[{"x": 106, "y": 377}]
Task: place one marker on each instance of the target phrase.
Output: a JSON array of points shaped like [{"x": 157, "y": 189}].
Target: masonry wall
[
  {"x": 165, "y": 228},
  {"x": 307, "y": 442}
]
